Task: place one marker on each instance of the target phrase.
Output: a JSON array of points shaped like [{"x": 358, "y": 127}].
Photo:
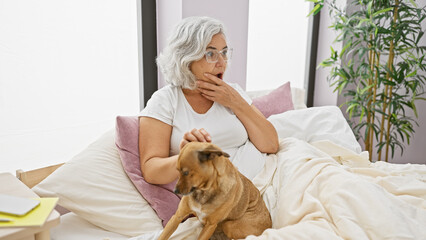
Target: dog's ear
[{"x": 209, "y": 153}]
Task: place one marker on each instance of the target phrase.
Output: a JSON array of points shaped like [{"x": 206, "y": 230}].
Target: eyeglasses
[{"x": 212, "y": 56}]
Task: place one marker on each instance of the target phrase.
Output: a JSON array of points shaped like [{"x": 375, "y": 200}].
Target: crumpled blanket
[{"x": 322, "y": 190}]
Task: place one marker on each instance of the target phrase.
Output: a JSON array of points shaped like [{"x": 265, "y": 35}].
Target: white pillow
[
  {"x": 94, "y": 186},
  {"x": 314, "y": 124}
]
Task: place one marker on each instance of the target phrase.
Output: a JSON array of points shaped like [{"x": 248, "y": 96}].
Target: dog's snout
[{"x": 185, "y": 191}]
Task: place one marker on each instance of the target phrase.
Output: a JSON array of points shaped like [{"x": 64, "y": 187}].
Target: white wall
[
  {"x": 67, "y": 69},
  {"x": 416, "y": 151},
  {"x": 323, "y": 93},
  {"x": 234, "y": 14},
  {"x": 169, "y": 13}
]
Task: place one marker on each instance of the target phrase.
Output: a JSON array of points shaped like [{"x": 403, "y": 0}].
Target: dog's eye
[{"x": 185, "y": 173}]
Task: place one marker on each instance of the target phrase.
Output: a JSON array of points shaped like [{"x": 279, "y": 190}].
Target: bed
[{"x": 320, "y": 185}]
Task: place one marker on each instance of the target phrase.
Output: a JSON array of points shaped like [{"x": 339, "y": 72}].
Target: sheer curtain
[
  {"x": 277, "y": 43},
  {"x": 67, "y": 69}
]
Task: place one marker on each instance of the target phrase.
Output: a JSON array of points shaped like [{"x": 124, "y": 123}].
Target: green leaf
[
  {"x": 363, "y": 21},
  {"x": 332, "y": 50},
  {"x": 414, "y": 4},
  {"x": 382, "y": 11},
  {"x": 350, "y": 109},
  {"x": 326, "y": 63},
  {"x": 419, "y": 36},
  {"x": 411, "y": 74},
  {"x": 362, "y": 115},
  {"x": 316, "y": 10},
  {"x": 369, "y": 8},
  {"x": 366, "y": 89},
  {"x": 344, "y": 48},
  {"x": 415, "y": 110}
]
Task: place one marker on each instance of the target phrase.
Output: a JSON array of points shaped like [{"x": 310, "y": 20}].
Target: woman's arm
[
  {"x": 260, "y": 131},
  {"x": 154, "y": 148}
]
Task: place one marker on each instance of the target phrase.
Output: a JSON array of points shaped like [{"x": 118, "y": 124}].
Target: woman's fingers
[
  {"x": 198, "y": 135},
  {"x": 207, "y": 86},
  {"x": 206, "y": 135},
  {"x": 190, "y": 137},
  {"x": 183, "y": 143},
  {"x": 210, "y": 89},
  {"x": 195, "y": 135},
  {"x": 214, "y": 84},
  {"x": 213, "y": 78},
  {"x": 223, "y": 93}
]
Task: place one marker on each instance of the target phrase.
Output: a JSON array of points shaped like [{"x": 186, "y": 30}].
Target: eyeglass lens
[{"x": 212, "y": 56}]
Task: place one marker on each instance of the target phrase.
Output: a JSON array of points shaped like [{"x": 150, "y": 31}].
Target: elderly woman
[{"x": 198, "y": 105}]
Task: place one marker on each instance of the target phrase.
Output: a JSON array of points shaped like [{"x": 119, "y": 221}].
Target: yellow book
[{"x": 36, "y": 217}]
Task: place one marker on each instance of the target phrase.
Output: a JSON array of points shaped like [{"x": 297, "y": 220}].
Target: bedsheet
[
  {"x": 321, "y": 190},
  {"x": 73, "y": 227}
]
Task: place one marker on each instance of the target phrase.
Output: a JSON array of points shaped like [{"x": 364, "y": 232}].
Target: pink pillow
[
  {"x": 277, "y": 101},
  {"x": 161, "y": 197}
]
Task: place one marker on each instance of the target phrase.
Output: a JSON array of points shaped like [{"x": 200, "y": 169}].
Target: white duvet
[
  {"x": 324, "y": 191},
  {"x": 323, "y": 187}
]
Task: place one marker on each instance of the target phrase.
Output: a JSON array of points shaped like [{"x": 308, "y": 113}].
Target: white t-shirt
[{"x": 170, "y": 106}]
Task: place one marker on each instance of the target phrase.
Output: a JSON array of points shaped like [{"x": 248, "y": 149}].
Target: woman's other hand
[{"x": 195, "y": 135}]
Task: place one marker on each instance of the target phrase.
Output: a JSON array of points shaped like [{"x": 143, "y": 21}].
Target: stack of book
[{"x": 24, "y": 212}]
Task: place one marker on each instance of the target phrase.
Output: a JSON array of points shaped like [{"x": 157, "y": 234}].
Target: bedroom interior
[{"x": 302, "y": 191}]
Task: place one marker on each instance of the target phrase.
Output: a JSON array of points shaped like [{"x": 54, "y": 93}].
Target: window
[
  {"x": 67, "y": 69},
  {"x": 277, "y": 43}
]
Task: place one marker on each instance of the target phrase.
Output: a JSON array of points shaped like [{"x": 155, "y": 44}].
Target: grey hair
[{"x": 187, "y": 43}]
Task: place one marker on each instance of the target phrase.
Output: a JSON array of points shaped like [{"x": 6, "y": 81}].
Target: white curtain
[{"x": 67, "y": 69}]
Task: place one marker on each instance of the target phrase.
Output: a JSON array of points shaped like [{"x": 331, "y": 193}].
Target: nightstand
[{"x": 12, "y": 186}]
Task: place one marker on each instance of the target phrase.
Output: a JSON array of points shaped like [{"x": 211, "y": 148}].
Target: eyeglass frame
[{"x": 225, "y": 58}]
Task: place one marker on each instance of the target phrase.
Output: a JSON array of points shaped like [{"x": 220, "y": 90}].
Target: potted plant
[{"x": 380, "y": 68}]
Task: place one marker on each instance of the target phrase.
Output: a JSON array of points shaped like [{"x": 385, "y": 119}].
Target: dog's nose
[{"x": 177, "y": 191}]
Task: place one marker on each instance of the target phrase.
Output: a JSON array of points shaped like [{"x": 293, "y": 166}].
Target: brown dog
[{"x": 222, "y": 198}]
